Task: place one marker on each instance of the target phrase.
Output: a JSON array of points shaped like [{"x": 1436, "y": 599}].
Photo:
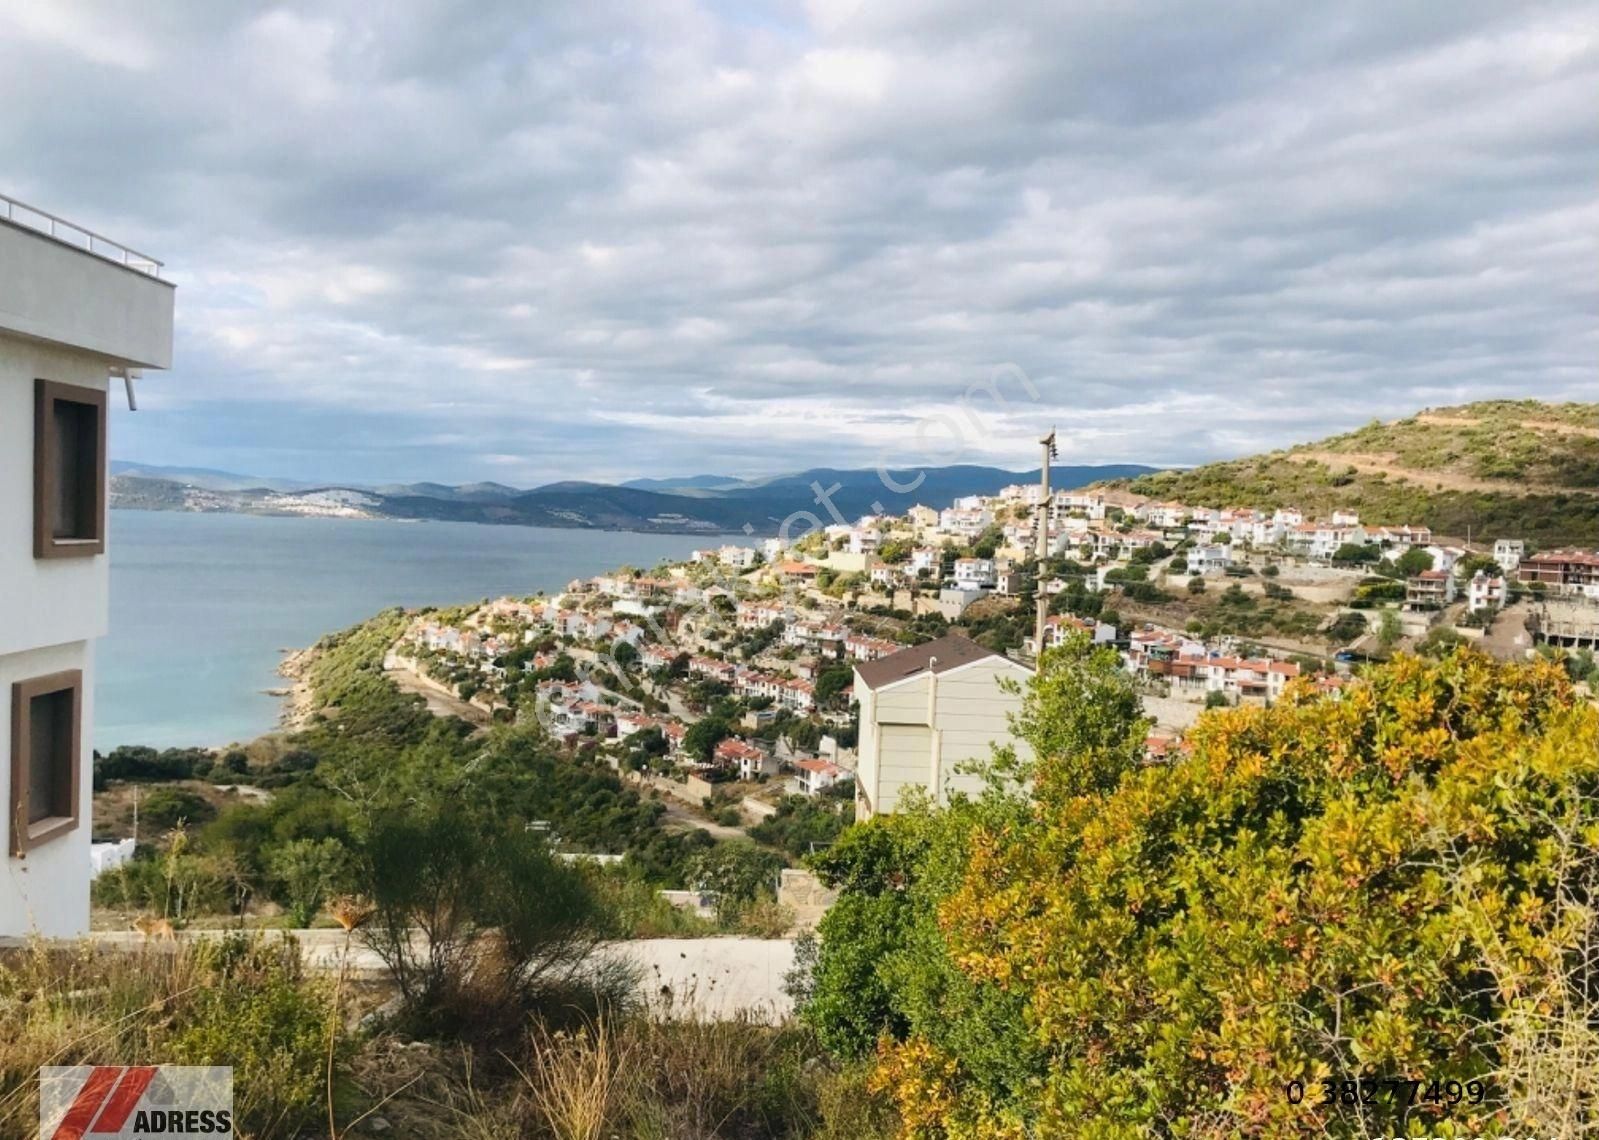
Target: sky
[{"x": 461, "y": 242}]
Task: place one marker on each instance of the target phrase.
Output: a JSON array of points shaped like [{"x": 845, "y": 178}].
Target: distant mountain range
[{"x": 702, "y": 503}]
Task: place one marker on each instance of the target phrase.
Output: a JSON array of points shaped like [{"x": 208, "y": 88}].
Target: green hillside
[{"x": 1502, "y": 468}]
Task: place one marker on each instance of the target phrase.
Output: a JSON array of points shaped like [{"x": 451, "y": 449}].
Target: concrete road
[{"x": 702, "y": 978}]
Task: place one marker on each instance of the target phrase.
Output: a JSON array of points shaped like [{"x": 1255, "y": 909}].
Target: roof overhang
[{"x": 54, "y": 292}]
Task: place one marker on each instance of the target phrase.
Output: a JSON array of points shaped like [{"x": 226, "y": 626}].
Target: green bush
[
  {"x": 257, "y": 1012},
  {"x": 502, "y": 922},
  {"x": 1401, "y": 874},
  {"x": 167, "y": 807}
]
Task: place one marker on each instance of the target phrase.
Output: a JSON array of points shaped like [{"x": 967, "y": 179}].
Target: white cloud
[{"x": 619, "y": 239}]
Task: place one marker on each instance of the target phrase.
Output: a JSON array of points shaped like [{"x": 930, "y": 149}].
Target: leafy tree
[
  {"x": 1395, "y": 880},
  {"x": 1389, "y": 631},
  {"x": 802, "y": 823},
  {"x": 832, "y": 681},
  {"x": 1345, "y": 628},
  {"x": 167, "y": 807},
  {"x": 702, "y": 737},
  {"x": 1412, "y": 562},
  {"x": 894, "y": 551},
  {"x": 737, "y": 872},
  {"x": 454, "y": 877},
  {"x": 1439, "y": 642},
  {"x": 308, "y": 870},
  {"x": 1357, "y": 553}
]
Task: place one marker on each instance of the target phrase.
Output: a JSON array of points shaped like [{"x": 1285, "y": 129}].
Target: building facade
[
  {"x": 69, "y": 319},
  {"x": 927, "y": 713}
]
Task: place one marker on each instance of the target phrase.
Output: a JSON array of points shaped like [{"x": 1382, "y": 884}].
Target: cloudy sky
[{"x": 459, "y": 241}]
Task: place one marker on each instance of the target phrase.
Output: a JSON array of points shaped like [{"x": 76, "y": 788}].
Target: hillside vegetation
[{"x": 1512, "y": 468}]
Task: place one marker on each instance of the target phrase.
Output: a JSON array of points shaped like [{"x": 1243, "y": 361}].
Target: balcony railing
[{"x": 70, "y": 233}]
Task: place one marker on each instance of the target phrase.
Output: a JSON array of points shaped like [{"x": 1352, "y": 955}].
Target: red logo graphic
[{"x": 105, "y": 1101}]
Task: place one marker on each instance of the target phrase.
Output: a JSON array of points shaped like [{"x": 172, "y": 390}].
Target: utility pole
[{"x": 1042, "y": 600}]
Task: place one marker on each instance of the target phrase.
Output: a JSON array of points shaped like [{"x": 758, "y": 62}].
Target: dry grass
[
  {"x": 580, "y": 1084},
  {"x": 667, "y": 1074},
  {"x": 226, "y": 1001}
]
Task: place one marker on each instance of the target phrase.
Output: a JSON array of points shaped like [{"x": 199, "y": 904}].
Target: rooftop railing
[{"x": 70, "y": 233}]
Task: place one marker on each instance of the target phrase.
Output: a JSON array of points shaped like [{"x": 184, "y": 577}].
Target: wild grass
[
  {"x": 226, "y": 1001},
  {"x": 587, "y": 1071}
]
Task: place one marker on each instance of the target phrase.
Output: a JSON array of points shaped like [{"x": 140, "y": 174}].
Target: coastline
[
  {"x": 710, "y": 531},
  {"x": 299, "y": 699}
]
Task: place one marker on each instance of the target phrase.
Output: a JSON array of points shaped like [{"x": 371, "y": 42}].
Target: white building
[
  {"x": 1509, "y": 552},
  {"x": 1059, "y": 627},
  {"x": 815, "y": 776},
  {"x": 69, "y": 320},
  {"x": 1212, "y": 559},
  {"x": 928, "y": 711},
  {"x": 1485, "y": 592},
  {"x": 974, "y": 573}
]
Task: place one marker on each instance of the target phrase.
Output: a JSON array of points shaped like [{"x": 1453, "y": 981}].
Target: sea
[{"x": 203, "y": 606}]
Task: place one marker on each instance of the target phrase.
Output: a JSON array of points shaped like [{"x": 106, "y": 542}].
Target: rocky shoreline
[{"x": 299, "y": 700}]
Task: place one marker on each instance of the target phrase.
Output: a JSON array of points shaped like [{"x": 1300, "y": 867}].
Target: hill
[
  {"x": 1512, "y": 468},
  {"x": 207, "y": 478},
  {"x": 761, "y": 507}
]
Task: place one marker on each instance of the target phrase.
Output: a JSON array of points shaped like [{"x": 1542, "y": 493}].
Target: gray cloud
[{"x": 423, "y": 240}]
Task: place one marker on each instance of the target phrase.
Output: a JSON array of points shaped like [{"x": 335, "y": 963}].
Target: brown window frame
[
  {"x": 46, "y": 470},
  {"x": 26, "y": 836}
]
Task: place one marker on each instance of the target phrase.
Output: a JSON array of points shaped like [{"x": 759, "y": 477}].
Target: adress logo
[{"x": 135, "y": 1102}]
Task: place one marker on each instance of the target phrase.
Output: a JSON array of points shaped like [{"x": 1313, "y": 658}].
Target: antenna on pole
[{"x": 1049, "y": 453}]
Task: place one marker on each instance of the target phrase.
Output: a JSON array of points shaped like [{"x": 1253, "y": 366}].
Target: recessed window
[
  {"x": 46, "y": 739},
  {"x": 69, "y": 471}
]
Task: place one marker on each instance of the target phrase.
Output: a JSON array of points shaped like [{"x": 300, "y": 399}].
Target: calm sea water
[{"x": 203, "y": 604}]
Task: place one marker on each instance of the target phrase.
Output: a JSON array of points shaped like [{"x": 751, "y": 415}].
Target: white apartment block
[{"x": 70, "y": 319}]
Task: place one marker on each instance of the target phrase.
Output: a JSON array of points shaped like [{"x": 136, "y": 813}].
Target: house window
[
  {"x": 69, "y": 476},
  {"x": 46, "y": 739}
]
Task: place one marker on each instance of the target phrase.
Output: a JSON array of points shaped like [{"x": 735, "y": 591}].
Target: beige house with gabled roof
[{"x": 926, "y": 713}]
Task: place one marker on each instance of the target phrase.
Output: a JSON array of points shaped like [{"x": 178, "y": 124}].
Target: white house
[
  {"x": 1212, "y": 559},
  {"x": 738, "y": 557},
  {"x": 1244, "y": 679},
  {"x": 1509, "y": 552},
  {"x": 964, "y": 522},
  {"x": 1485, "y": 592},
  {"x": 750, "y": 761},
  {"x": 70, "y": 320},
  {"x": 1058, "y": 627},
  {"x": 817, "y": 775},
  {"x": 864, "y": 539},
  {"x": 974, "y": 573},
  {"x": 928, "y": 711}
]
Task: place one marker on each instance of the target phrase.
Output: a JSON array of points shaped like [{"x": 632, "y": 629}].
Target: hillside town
[{"x": 747, "y": 673}]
